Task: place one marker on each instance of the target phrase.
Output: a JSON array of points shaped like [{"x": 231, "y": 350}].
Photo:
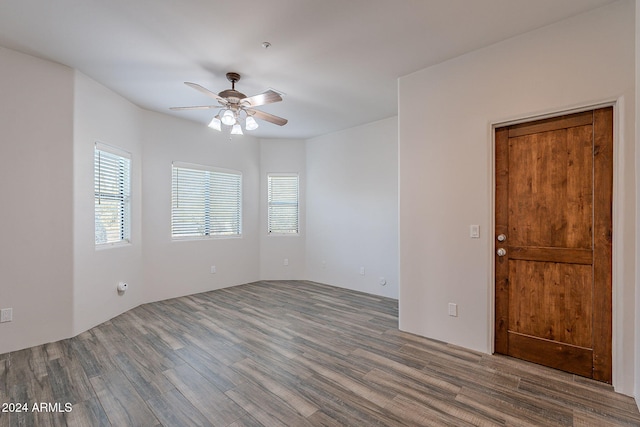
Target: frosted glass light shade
[
  {"x": 228, "y": 118},
  {"x": 236, "y": 130},
  {"x": 250, "y": 123},
  {"x": 215, "y": 123}
]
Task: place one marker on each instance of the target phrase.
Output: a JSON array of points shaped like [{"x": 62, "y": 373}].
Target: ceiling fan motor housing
[{"x": 232, "y": 95}]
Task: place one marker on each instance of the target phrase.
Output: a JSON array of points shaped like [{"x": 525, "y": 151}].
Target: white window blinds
[
  {"x": 112, "y": 184},
  {"x": 282, "y": 203},
  {"x": 205, "y": 202}
]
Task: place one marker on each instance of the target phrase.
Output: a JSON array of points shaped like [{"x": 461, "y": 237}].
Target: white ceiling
[{"x": 337, "y": 61}]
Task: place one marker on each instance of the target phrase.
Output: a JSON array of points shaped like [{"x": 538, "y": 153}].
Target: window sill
[
  {"x": 104, "y": 246},
  {"x": 200, "y": 238}
]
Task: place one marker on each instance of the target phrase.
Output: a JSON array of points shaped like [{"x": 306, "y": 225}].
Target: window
[
  {"x": 205, "y": 202},
  {"x": 282, "y": 203},
  {"x": 112, "y": 185}
]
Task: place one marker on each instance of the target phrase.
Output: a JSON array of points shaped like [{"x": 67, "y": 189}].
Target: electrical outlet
[
  {"x": 286, "y": 261},
  {"x": 6, "y": 315},
  {"x": 362, "y": 271},
  {"x": 213, "y": 269}
]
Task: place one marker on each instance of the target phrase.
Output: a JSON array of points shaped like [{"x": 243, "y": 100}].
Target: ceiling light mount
[{"x": 233, "y": 78}]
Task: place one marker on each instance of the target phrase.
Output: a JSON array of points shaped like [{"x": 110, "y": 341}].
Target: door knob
[
  {"x": 502, "y": 252},
  {"x": 501, "y": 237}
]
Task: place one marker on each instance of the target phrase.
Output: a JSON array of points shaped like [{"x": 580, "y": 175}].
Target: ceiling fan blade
[
  {"x": 205, "y": 91},
  {"x": 267, "y": 97},
  {"x": 198, "y": 107},
  {"x": 268, "y": 117}
]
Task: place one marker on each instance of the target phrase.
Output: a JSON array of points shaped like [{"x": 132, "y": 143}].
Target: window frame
[
  {"x": 124, "y": 159},
  {"x": 297, "y": 204},
  {"x": 207, "y": 214}
]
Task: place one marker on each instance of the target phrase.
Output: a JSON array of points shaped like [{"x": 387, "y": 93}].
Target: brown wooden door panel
[
  {"x": 602, "y": 243},
  {"x": 552, "y": 301},
  {"x": 576, "y": 256},
  {"x": 576, "y": 360},
  {"x": 553, "y": 204},
  {"x": 554, "y": 123},
  {"x": 553, "y": 167}
]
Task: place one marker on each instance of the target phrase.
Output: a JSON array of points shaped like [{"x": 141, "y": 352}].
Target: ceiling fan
[{"x": 234, "y": 107}]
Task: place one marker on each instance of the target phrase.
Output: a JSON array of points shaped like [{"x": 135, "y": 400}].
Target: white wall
[
  {"x": 175, "y": 268},
  {"x": 446, "y": 116},
  {"x": 105, "y": 117},
  {"x": 36, "y": 181},
  {"x": 59, "y": 284},
  {"x": 53, "y": 277},
  {"x": 352, "y": 208},
  {"x": 637, "y": 146},
  {"x": 282, "y": 156}
]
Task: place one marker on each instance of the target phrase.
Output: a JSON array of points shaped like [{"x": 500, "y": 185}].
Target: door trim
[{"x": 617, "y": 268}]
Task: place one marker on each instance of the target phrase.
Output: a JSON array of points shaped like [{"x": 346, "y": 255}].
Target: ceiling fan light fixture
[
  {"x": 250, "y": 123},
  {"x": 215, "y": 123},
  {"x": 236, "y": 130},
  {"x": 228, "y": 118},
  {"x": 235, "y": 109}
]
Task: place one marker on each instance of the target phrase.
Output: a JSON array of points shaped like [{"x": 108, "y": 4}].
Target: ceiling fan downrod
[{"x": 233, "y": 78}]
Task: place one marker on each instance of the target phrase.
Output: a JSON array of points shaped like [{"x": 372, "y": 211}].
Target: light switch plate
[
  {"x": 474, "y": 231},
  {"x": 453, "y": 309},
  {"x": 6, "y": 315}
]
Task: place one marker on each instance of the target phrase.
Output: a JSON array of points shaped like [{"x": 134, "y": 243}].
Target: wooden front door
[{"x": 554, "y": 186}]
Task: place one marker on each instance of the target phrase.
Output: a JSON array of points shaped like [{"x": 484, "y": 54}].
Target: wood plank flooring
[{"x": 287, "y": 354}]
